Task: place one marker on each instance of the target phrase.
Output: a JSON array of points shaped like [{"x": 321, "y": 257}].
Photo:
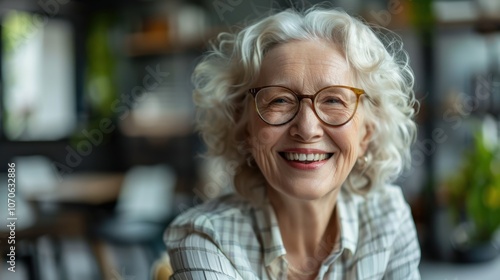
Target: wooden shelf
[
  {"x": 160, "y": 43},
  {"x": 166, "y": 125},
  {"x": 465, "y": 14},
  {"x": 487, "y": 25}
]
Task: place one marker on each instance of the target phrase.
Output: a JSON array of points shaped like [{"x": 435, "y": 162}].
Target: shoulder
[
  {"x": 216, "y": 232},
  {"x": 385, "y": 235},
  {"x": 216, "y": 209},
  {"x": 386, "y": 200},
  {"x": 210, "y": 218},
  {"x": 382, "y": 214}
]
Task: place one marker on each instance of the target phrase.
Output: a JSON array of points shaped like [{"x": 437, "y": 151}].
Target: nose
[{"x": 306, "y": 125}]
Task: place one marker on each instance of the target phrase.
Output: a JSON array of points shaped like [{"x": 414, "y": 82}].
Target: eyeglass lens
[{"x": 333, "y": 105}]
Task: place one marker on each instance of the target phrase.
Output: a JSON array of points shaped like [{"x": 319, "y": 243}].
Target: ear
[
  {"x": 365, "y": 137},
  {"x": 246, "y": 131},
  {"x": 248, "y": 135}
]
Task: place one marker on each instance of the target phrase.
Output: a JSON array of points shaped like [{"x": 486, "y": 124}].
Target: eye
[
  {"x": 333, "y": 100},
  {"x": 276, "y": 97},
  {"x": 334, "y": 97},
  {"x": 280, "y": 100}
]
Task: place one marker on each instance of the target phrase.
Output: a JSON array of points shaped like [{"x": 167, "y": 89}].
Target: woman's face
[{"x": 306, "y": 67}]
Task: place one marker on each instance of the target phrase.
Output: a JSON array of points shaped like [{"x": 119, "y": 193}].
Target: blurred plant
[
  {"x": 475, "y": 189},
  {"x": 100, "y": 89}
]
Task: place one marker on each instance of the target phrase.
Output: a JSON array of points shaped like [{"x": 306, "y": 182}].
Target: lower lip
[{"x": 306, "y": 166}]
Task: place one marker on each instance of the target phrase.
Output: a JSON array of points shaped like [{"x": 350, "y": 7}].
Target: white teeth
[{"x": 305, "y": 157}]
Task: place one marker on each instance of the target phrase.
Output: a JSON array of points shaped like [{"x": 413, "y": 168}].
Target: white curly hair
[{"x": 379, "y": 64}]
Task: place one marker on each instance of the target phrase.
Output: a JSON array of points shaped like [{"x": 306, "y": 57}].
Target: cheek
[
  {"x": 261, "y": 135},
  {"x": 347, "y": 139},
  {"x": 261, "y": 139}
]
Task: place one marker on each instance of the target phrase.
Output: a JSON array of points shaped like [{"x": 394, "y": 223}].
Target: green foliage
[
  {"x": 17, "y": 28},
  {"x": 422, "y": 16},
  {"x": 476, "y": 189},
  {"x": 100, "y": 89}
]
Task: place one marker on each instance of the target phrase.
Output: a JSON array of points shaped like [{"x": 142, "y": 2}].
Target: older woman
[{"x": 316, "y": 112}]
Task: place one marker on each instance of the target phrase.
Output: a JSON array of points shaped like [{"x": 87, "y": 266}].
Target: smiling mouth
[{"x": 305, "y": 158}]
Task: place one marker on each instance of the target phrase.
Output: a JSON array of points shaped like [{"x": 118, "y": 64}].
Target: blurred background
[{"x": 97, "y": 116}]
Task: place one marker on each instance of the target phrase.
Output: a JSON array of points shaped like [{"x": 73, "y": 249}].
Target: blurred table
[
  {"x": 57, "y": 242},
  {"x": 433, "y": 270},
  {"x": 90, "y": 189}
]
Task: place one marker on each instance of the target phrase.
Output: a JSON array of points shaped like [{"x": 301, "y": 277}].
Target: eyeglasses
[{"x": 334, "y": 105}]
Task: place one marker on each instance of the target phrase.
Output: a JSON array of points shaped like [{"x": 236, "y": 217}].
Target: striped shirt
[{"x": 233, "y": 238}]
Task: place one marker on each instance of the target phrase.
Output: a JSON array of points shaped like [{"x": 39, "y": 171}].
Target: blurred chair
[
  {"x": 144, "y": 209},
  {"x": 144, "y": 205}
]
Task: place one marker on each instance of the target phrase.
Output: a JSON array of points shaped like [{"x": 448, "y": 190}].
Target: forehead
[{"x": 309, "y": 62}]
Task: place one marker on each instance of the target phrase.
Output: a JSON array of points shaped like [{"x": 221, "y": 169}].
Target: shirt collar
[
  {"x": 268, "y": 226},
  {"x": 347, "y": 205}
]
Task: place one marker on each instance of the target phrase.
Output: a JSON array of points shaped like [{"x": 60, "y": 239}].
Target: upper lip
[{"x": 305, "y": 151}]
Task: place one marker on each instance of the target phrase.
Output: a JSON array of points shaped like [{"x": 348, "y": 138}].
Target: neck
[{"x": 308, "y": 227}]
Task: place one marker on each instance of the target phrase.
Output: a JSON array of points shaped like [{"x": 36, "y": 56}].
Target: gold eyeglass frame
[{"x": 357, "y": 91}]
